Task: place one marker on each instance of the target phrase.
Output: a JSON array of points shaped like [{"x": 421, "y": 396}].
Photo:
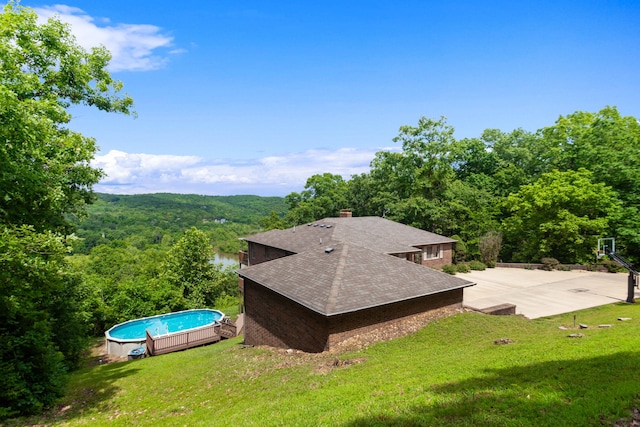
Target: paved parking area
[{"x": 539, "y": 293}]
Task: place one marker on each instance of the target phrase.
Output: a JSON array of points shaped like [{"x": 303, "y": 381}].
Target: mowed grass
[{"x": 448, "y": 373}]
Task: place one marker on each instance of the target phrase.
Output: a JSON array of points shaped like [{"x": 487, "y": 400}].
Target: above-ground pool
[{"x": 124, "y": 337}]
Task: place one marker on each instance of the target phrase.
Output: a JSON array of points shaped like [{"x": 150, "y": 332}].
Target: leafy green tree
[
  {"x": 121, "y": 283},
  {"x": 501, "y": 162},
  {"x": 44, "y": 175},
  {"x": 421, "y": 187},
  {"x": 273, "y": 222},
  {"x": 360, "y": 196},
  {"x": 41, "y": 334},
  {"x": 409, "y": 186},
  {"x": 606, "y": 143},
  {"x": 323, "y": 196},
  {"x": 460, "y": 250},
  {"x": 188, "y": 268},
  {"x": 561, "y": 215},
  {"x": 44, "y": 166}
]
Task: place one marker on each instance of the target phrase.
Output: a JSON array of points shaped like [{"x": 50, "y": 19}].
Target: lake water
[{"x": 227, "y": 260}]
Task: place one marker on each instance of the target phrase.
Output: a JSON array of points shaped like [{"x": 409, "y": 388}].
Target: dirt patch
[
  {"x": 97, "y": 355},
  {"x": 633, "y": 421},
  {"x": 334, "y": 359}
]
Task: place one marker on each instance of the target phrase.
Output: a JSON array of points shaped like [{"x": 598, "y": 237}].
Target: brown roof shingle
[
  {"x": 375, "y": 233},
  {"x": 348, "y": 278}
]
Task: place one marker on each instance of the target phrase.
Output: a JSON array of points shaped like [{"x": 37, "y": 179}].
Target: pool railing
[{"x": 168, "y": 343}]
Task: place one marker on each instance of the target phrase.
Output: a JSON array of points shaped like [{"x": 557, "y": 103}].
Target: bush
[
  {"x": 612, "y": 266},
  {"x": 477, "y": 265},
  {"x": 549, "y": 263},
  {"x": 449, "y": 269},
  {"x": 563, "y": 267},
  {"x": 490, "y": 245},
  {"x": 459, "y": 249},
  {"x": 463, "y": 268}
]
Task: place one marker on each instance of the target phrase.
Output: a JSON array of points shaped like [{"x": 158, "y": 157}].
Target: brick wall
[
  {"x": 260, "y": 253},
  {"x": 447, "y": 257},
  {"x": 273, "y": 320}
]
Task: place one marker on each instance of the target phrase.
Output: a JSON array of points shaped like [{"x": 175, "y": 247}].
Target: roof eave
[{"x": 337, "y": 313}]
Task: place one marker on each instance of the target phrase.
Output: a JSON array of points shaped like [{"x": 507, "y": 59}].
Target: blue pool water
[{"x": 164, "y": 324}]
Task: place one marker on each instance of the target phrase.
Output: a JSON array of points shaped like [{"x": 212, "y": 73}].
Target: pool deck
[{"x": 162, "y": 344}]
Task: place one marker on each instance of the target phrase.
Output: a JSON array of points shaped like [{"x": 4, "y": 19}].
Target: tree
[
  {"x": 561, "y": 215},
  {"x": 422, "y": 187},
  {"x": 44, "y": 175},
  {"x": 489, "y": 245},
  {"x": 44, "y": 166},
  {"x": 409, "y": 186},
  {"x": 41, "y": 335},
  {"x": 606, "y": 143},
  {"x": 459, "y": 250},
  {"x": 273, "y": 222},
  {"x": 501, "y": 162},
  {"x": 188, "y": 268},
  {"x": 323, "y": 196}
]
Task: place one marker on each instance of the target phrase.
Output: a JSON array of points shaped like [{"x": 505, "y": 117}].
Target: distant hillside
[{"x": 146, "y": 219}]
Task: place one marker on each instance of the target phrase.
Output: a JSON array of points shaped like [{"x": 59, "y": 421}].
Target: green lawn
[{"x": 449, "y": 373}]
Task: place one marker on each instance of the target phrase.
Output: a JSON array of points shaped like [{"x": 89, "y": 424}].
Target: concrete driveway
[{"x": 538, "y": 293}]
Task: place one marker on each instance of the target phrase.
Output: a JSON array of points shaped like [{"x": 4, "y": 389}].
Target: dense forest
[{"x": 148, "y": 220}]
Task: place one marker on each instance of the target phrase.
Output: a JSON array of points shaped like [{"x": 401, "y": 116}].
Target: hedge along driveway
[{"x": 539, "y": 293}]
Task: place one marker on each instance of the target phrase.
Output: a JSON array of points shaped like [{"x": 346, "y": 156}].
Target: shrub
[
  {"x": 563, "y": 267},
  {"x": 449, "y": 269},
  {"x": 477, "y": 265},
  {"x": 463, "y": 268},
  {"x": 459, "y": 250},
  {"x": 549, "y": 263},
  {"x": 490, "y": 245},
  {"x": 612, "y": 266}
]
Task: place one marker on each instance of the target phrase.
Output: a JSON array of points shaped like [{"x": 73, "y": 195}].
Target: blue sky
[{"x": 253, "y": 97}]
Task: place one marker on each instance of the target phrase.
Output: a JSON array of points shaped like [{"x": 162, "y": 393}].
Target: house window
[
  {"x": 252, "y": 251},
  {"x": 431, "y": 252},
  {"x": 267, "y": 252}
]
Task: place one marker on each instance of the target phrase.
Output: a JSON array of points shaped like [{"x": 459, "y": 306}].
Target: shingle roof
[
  {"x": 349, "y": 278},
  {"x": 375, "y": 233}
]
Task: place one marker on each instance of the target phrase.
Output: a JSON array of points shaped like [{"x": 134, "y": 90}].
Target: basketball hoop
[{"x": 606, "y": 245}]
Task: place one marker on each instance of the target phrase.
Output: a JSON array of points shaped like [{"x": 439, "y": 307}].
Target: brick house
[{"x": 313, "y": 286}]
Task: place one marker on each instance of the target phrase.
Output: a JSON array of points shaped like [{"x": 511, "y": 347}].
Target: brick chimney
[{"x": 345, "y": 213}]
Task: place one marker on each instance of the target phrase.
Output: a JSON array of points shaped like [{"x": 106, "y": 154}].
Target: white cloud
[
  {"x": 129, "y": 173},
  {"x": 132, "y": 46}
]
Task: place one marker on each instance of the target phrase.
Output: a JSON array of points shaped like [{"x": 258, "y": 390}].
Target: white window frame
[{"x": 428, "y": 252}]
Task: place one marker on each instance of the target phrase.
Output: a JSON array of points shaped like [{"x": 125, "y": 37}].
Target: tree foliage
[
  {"x": 323, "y": 196},
  {"x": 44, "y": 166},
  {"x": 41, "y": 332},
  {"x": 160, "y": 220},
  {"x": 490, "y": 245},
  {"x": 188, "y": 269},
  {"x": 561, "y": 215},
  {"x": 468, "y": 187},
  {"x": 44, "y": 175}
]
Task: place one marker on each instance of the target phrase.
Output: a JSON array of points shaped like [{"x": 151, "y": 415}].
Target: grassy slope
[{"x": 449, "y": 373}]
